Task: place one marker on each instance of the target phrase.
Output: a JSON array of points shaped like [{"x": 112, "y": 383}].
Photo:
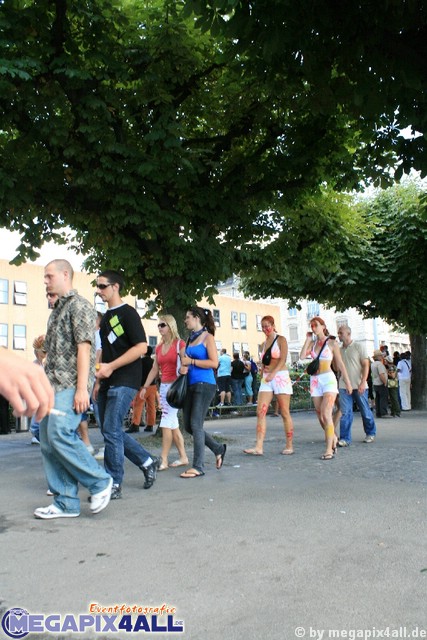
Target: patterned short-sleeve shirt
[{"x": 72, "y": 322}]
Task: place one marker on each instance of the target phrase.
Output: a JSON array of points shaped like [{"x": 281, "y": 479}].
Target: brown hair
[
  {"x": 322, "y": 322},
  {"x": 205, "y": 316}
]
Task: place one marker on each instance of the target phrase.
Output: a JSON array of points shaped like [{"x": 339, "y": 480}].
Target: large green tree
[
  {"x": 368, "y": 254},
  {"x": 366, "y": 59},
  {"x": 159, "y": 146}
]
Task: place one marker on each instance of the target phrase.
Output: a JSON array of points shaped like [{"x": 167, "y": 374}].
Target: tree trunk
[{"x": 419, "y": 371}]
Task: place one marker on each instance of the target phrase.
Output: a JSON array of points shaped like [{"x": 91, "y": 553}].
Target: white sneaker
[
  {"x": 369, "y": 439},
  {"x": 100, "y": 454},
  {"x": 35, "y": 440},
  {"x": 52, "y": 511},
  {"x": 98, "y": 501},
  {"x": 90, "y": 448},
  {"x": 49, "y": 492}
]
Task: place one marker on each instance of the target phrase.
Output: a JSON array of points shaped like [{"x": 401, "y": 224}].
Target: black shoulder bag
[
  {"x": 314, "y": 365},
  {"x": 266, "y": 358}
]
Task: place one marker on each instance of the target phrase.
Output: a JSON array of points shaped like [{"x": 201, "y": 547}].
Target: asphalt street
[{"x": 273, "y": 547}]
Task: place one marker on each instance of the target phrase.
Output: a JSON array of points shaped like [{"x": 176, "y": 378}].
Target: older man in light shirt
[{"x": 357, "y": 364}]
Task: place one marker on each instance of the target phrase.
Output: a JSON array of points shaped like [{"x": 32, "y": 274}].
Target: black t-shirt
[
  {"x": 121, "y": 329},
  {"x": 237, "y": 370}
]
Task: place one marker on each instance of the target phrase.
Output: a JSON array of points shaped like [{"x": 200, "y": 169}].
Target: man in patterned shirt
[{"x": 70, "y": 346}]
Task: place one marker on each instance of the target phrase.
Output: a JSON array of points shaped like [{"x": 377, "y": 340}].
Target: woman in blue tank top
[{"x": 201, "y": 358}]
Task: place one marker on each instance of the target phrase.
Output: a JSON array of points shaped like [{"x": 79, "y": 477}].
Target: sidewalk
[{"x": 259, "y": 550}]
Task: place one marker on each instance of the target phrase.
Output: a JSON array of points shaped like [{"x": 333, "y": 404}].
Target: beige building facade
[{"x": 24, "y": 312}]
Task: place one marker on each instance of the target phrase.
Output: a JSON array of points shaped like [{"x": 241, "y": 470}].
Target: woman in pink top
[
  {"x": 276, "y": 381},
  {"x": 167, "y": 366},
  {"x": 323, "y": 385}
]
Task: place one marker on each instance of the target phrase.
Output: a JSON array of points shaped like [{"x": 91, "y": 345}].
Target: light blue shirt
[{"x": 224, "y": 367}]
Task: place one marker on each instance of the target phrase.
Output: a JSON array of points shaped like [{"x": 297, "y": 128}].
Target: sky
[{"x": 10, "y": 240}]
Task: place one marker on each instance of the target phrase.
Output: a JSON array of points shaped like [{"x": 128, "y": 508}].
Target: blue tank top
[{"x": 196, "y": 374}]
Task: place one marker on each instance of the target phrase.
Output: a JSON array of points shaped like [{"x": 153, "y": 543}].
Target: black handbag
[
  {"x": 177, "y": 391},
  {"x": 266, "y": 358},
  {"x": 314, "y": 365}
]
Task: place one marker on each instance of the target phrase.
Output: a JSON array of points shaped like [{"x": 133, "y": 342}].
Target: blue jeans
[
  {"x": 346, "y": 406},
  {"x": 197, "y": 402},
  {"x": 236, "y": 386},
  {"x": 35, "y": 428},
  {"x": 66, "y": 459},
  {"x": 113, "y": 405}
]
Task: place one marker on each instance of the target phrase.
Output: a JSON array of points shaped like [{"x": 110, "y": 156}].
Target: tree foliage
[
  {"x": 159, "y": 146},
  {"x": 368, "y": 254},
  {"x": 365, "y": 59}
]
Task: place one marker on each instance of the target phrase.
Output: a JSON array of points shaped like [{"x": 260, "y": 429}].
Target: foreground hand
[{"x": 25, "y": 385}]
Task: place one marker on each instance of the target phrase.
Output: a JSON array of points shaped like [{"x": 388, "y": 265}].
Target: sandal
[
  {"x": 178, "y": 463},
  {"x": 220, "y": 458},
  {"x": 288, "y": 452},
  {"x": 252, "y": 452},
  {"x": 192, "y": 473},
  {"x": 327, "y": 456}
]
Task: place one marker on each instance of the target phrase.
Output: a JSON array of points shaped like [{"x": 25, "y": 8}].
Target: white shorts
[
  {"x": 323, "y": 383},
  {"x": 169, "y": 418},
  {"x": 281, "y": 383}
]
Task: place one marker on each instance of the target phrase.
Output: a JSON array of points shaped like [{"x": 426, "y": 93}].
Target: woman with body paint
[
  {"x": 323, "y": 385},
  {"x": 275, "y": 380}
]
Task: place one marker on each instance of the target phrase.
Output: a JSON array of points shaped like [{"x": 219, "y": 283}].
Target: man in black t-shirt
[{"x": 118, "y": 376}]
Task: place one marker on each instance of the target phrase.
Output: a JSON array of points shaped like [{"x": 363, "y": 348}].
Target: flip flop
[
  {"x": 178, "y": 463},
  {"x": 220, "y": 458},
  {"x": 163, "y": 467},
  {"x": 327, "y": 456},
  {"x": 252, "y": 452},
  {"x": 191, "y": 473},
  {"x": 285, "y": 452}
]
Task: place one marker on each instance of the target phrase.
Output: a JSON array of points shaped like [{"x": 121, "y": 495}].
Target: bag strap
[
  {"x": 271, "y": 346},
  {"x": 178, "y": 357},
  {"x": 323, "y": 346}
]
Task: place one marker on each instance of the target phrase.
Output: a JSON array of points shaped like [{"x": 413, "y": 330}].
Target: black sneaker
[
  {"x": 148, "y": 429},
  {"x": 116, "y": 492},
  {"x": 150, "y": 473},
  {"x": 132, "y": 429}
]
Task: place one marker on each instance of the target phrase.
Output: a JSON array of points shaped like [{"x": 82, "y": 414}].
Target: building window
[
  {"x": 293, "y": 332},
  {"x": 140, "y": 307},
  {"x": 245, "y": 347},
  {"x": 20, "y": 292},
  {"x": 342, "y": 321},
  {"x": 4, "y": 291},
  {"x": 243, "y": 321},
  {"x": 234, "y": 320},
  {"x": 236, "y": 347},
  {"x": 3, "y": 334},
  {"x": 152, "y": 341},
  {"x": 293, "y": 312},
  {"x": 258, "y": 323},
  {"x": 19, "y": 336},
  {"x": 100, "y": 304},
  {"x": 217, "y": 317},
  {"x": 218, "y": 345},
  {"x": 313, "y": 309}
]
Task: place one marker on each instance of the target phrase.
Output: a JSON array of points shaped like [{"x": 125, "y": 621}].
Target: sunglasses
[
  {"x": 162, "y": 325},
  {"x": 103, "y": 286}
]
